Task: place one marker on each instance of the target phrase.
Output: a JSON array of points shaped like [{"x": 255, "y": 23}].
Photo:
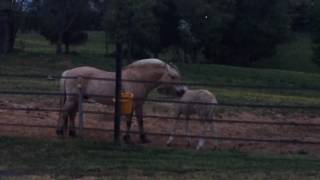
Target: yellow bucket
[{"x": 126, "y": 103}]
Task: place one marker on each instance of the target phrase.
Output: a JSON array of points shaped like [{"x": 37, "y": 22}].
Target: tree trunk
[
  {"x": 106, "y": 43},
  {"x": 6, "y": 32},
  {"x": 59, "y": 44},
  {"x": 67, "y": 48},
  {"x": 6, "y": 27},
  {"x": 13, "y": 32}
]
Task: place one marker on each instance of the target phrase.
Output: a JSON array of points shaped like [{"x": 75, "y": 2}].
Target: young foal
[{"x": 204, "y": 109}]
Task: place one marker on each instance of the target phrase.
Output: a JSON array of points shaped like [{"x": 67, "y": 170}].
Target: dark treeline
[{"x": 236, "y": 32}]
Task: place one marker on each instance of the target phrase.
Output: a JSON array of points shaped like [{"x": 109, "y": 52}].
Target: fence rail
[
  {"x": 277, "y": 141},
  {"x": 32, "y": 93},
  {"x": 240, "y": 86},
  {"x": 214, "y": 120}
]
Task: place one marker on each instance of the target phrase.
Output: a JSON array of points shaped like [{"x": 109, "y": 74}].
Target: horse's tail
[{"x": 63, "y": 95}]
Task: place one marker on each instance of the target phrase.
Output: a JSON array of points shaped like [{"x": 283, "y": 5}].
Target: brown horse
[{"x": 153, "y": 70}]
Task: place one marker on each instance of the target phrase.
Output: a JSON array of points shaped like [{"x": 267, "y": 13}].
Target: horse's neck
[{"x": 143, "y": 75}]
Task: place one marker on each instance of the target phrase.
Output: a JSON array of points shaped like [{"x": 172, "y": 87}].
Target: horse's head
[
  {"x": 171, "y": 81},
  {"x": 165, "y": 76}
]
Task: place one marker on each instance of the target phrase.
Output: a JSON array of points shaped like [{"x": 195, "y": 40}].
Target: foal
[{"x": 195, "y": 102}]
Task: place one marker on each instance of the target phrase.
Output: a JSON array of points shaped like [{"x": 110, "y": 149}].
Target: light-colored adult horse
[{"x": 153, "y": 70}]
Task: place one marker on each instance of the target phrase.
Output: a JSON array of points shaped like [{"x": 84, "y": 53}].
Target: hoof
[
  {"x": 144, "y": 139},
  {"x": 200, "y": 144},
  {"x": 127, "y": 139},
  {"x": 169, "y": 141},
  {"x": 189, "y": 144},
  {"x": 72, "y": 134},
  {"x": 59, "y": 132}
]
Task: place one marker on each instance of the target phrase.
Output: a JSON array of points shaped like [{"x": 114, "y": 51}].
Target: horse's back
[
  {"x": 86, "y": 71},
  {"x": 192, "y": 102},
  {"x": 199, "y": 95}
]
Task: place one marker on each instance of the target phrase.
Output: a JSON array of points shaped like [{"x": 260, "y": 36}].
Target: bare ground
[{"x": 160, "y": 125}]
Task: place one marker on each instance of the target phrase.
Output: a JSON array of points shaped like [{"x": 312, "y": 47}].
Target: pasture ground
[
  {"x": 24, "y": 158},
  {"x": 40, "y": 155}
]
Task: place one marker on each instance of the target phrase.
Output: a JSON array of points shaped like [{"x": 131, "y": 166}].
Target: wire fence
[{"x": 153, "y": 100}]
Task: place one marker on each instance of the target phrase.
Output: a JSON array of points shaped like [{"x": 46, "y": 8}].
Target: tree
[
  {"x": 131, "y": 23},
  {"x": 6, "y": 26},
  {"x": 167, "y": 19},
  {"x": 300, "y": 12},
  {"x": 208, "y": 21},
  {"x": 257, "y": 27},
  {"x": 315, "y": 31},
  {"x": 63, "y": 22},
  {"x": 188, "y": 42}
]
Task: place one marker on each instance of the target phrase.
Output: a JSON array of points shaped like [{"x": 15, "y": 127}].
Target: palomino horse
[{"x": 155, "y": 71}]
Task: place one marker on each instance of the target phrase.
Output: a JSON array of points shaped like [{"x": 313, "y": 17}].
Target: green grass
[
  {"x": 296, "y": 55},
  {"x": 36, "y": 56},
  {"x": 88, "y": 158},
  {"x": 76, "y": 158}
]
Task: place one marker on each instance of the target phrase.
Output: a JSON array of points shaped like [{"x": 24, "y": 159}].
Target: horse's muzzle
[{"x": 180, "y": 92}]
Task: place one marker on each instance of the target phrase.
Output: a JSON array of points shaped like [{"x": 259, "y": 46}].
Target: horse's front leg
[
  {"x": 126, "y": 137},
  {"x": 139, "y": 115}
]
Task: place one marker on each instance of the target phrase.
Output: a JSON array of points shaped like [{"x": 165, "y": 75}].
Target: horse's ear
[{"x": 173, "y": 66}]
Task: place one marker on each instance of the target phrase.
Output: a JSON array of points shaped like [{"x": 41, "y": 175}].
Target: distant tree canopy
[
  {"x": 132, "y": 23},
  {"x": 236, "y": 32},
  {"x": 63, "y": 22}
]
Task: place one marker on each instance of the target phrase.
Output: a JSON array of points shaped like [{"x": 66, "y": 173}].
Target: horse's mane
[{"x": 146, "y": 62}]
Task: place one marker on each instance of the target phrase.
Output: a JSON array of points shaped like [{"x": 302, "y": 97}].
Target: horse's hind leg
[
  {"x": 73, "y": 114},
  {"x": 62, "y": 123},
  {"x": 63, "y": 118}
]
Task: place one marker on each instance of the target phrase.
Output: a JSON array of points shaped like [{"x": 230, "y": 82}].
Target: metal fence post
[
  {"x": 80, "y": 103},
  {"x": 117, "y": 105}
]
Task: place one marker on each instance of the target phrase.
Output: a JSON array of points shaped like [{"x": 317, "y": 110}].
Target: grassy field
[
  {"x": 295, "y": 55},
  {"x": 64, "y": 159},
  {"x": 74, "y": 159},
  {"x": 36, "y": 56}
]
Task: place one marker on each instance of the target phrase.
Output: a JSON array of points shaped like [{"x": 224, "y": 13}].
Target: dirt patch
[{"x": 160, "y": 125}]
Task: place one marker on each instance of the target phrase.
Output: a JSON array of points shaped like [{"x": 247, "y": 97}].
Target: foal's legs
[
  {"x": 173, "y": 131},
  {"x": 188, "y": 131},
  {"x": 205, "y": 129}
]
